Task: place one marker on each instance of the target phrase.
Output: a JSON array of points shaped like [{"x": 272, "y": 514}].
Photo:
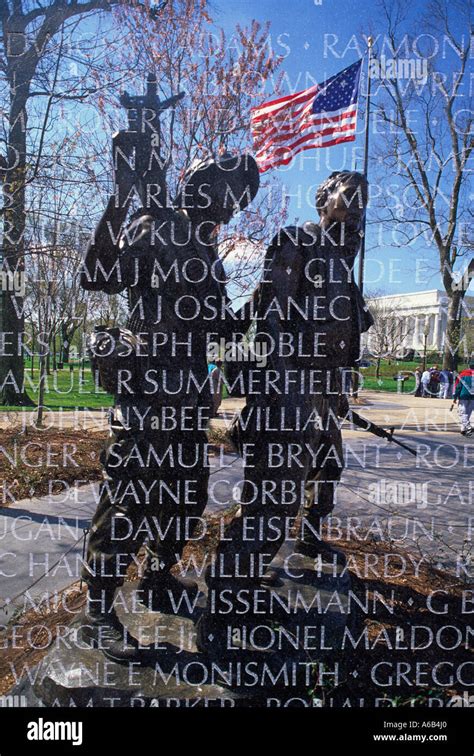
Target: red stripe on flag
[
  {"x": 279, "y": 134},
  {"x": 262, "y": 111},
  {"x": 315, "y": 137},
  {"x": 275, "y": 163}
]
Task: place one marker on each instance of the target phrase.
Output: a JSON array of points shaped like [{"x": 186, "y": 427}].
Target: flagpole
[{"x": 370, "y": 42}]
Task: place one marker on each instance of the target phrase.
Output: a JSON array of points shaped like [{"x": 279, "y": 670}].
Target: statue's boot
[
  {"x": 315, "y": 549},
  {"x": 311, "y": 546},
  {"x": 105, "y": 631},
  {"x": 164, "y": 592}
]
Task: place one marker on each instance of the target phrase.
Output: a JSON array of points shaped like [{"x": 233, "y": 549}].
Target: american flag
[{"x": 320, "y": 116}]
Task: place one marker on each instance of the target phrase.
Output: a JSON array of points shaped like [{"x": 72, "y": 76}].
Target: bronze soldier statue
[
  {"x": 155, "y": 467},
  {"x": 309, "y": 318}
]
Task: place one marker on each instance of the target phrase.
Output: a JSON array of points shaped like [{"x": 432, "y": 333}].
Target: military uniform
[
  {"x": 152, "y": 474},
  {"x": 308, "y": 292}
]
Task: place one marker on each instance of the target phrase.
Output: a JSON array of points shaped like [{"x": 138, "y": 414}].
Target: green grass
[
  {"x": 64, "y": 389},
  {"x": 386, "y": 381},
  {"x": 388, "y": 370},
  {"x": 386, "y": 384}
]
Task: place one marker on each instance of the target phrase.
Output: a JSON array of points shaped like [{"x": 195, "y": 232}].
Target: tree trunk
[
  {"x": 32, "y": 350},
  {"x": 55, "y": 359},
  {"x": 65, "y": 352},
  {"x": 41, "y": 391},
  {"x": 14, "y": 221},
  {"x": 377, "y": 368},
  {"x": 452, "y": 343},
  {"x": 67, "y": 335}
]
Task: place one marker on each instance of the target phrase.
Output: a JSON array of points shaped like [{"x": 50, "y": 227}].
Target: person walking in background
[
  {"x": 445, "y": 384},
  {"x": 217, "y": 385},
  {"x": 464, "y": 395},
  {"x": 434, "y": 382},
  {"x": 425, "y": 380},
  {"x": 418, "y": 383}
]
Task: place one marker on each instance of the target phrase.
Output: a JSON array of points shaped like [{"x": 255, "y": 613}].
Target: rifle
[
  {"x": 144, "y": 113},
  {"x": 367, "y": 425}
]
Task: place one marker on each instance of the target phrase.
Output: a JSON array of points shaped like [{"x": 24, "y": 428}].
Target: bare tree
[
  {"x": 33, "y": 57},
  {"x": 428, "y": 140},
  {"x": 387, "y": 336}
]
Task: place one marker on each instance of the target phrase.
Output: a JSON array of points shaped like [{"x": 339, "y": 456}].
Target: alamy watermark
[
  {"x": 229, "y": 351},
  {"x": 399, "y": 68},
  {"x": 13, "y": 281}
]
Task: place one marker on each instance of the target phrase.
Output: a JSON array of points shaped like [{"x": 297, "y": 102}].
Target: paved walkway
[{"x": 424, "y": 504}]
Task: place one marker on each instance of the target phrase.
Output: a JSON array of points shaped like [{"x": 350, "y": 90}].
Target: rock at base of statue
[{"x": 265, "y": 659}]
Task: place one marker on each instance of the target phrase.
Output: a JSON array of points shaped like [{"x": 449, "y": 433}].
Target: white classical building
[{"x": 421, "y": 315}]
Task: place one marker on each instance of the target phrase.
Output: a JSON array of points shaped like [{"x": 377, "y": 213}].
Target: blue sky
[{"x": 298, "y": 29}]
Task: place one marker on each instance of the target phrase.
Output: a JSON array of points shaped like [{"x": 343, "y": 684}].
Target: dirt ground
[{"x": 29, "y": 461}]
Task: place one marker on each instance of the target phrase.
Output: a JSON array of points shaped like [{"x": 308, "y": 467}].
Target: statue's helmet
[
  {"x": 343, "y": 197},
  {"x": 215, "y": 190}
]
